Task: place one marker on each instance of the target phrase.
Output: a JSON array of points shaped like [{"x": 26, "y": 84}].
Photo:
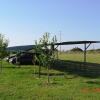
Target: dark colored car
[
  {"x": 26, "y": 58},
  {"x": 23, "y": 58}
]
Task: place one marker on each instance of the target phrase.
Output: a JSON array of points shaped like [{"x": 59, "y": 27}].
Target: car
[
  {"x": 23, "y": 58},
  {"x": 12, "y": 60}
]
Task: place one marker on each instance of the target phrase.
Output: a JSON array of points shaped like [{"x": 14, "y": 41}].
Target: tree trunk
[
  {"x": 39, "y": 71},
  {"x": 1, "y": 66},
  {"x": 48, "y": 74}
]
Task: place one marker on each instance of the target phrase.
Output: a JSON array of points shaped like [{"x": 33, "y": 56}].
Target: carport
[
  {"x": 85, "y": 43},
  {"x": 29, "y": 47}
]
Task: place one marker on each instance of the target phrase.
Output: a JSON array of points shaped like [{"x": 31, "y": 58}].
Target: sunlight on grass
[
  {"x": 23, "y": 83},
  {"x": 91, "y": 57}
]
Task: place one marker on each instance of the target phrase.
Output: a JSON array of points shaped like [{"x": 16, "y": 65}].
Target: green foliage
[
  {"x": 45, "y": 50},
  {"x": 76, "y": 49},
  {"x": 3, "y": 46}
]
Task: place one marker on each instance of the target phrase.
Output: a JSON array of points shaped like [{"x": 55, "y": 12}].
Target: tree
[
  {"x": 76, "y": 49},
  {"x": 3, "y": 46},
  {"x": 45, "y": 52}
]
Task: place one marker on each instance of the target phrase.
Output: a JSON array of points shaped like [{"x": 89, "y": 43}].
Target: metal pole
[
  {"x": 85, "y": 53},
  {"x": 60, "y": 41}
]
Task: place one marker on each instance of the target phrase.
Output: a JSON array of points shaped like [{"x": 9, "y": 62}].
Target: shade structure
[
  {"x": 79, "y": 42},
  {"x": 29, "y": 47},
  {"x": 76, "y": 42},
  {"x": 21, "y": 48}
]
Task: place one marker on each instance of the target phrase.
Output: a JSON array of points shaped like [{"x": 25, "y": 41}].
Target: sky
[{"x": 24, "y": 21}]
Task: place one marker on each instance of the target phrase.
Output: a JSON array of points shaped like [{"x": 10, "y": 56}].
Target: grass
[
  {"x": 91, "y": 57},
  {"x": 22, "y": 84}
]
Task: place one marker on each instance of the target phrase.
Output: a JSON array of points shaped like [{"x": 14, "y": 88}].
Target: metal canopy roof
[
  {"x": 76, "y": 42},
  {"x": 79, "y": 42},
  {"x": 29, "y": 47},
  {"x": 21, "y": 48}
]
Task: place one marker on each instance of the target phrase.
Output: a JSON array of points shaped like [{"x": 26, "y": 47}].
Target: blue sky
[{"x": 23, "y": 21}]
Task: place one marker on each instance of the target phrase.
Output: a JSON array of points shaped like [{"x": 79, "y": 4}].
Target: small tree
[
  {"x": 45, "y": 52},
  {"x": 3, "y": 46}
]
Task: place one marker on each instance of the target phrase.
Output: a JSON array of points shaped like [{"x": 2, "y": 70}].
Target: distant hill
[{"x": 20, "y": 48}]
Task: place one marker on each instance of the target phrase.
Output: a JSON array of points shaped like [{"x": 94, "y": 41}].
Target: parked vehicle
[
  {"x": 13, "y": 60},
  {"x": 25, "y": 58},
  {"x": 22, "y": 58}
]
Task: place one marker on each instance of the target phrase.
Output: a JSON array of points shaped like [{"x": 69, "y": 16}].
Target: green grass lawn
[{"x": 22, "y": 84}]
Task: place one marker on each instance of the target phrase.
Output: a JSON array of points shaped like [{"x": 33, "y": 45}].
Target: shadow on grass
[
  {"x": 91, "y": 70},
  {"x": 93, "y": 82},
  {"x": 15, "y": 66},
  {"x": 50, "y": 74}
]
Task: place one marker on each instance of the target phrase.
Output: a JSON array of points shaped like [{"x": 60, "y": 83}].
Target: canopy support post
[{"x": 85, "y": 51}]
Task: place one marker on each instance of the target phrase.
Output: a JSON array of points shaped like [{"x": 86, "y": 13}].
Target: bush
[{"x": 76, "y": 49}]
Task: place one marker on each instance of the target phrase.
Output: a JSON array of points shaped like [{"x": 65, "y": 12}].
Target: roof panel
[{"x": 76, "y": 42}]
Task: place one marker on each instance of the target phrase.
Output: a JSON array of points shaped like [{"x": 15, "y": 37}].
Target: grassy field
[
  {"x": 91, "y": 57},
  {"x": 22, "y": 84}
]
